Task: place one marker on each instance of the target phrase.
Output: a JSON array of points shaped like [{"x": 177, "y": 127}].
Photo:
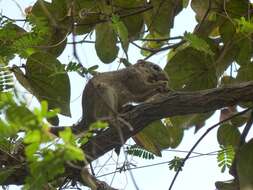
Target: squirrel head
[{"x": 153, "y": 71}]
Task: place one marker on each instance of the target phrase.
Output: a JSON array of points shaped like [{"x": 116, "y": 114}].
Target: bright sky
[{"x": 198, "y": 173}]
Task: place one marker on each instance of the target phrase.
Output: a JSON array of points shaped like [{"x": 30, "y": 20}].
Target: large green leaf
[
  {"x": 245, "y": 73},
  {"x": 9, "y": 33},
  {"x": 244, "y": 166},
  {"x": 48, "y": 82},
  {"x": 134, "y": 23},
  {"x": 158, "y": 136},
  {"x": 121, "y": 30},
  {"x": 55, "y": 15},
  {"x": 228, "y": 135},
  {"x": 237, "y": 9},
  {"x": 238, "y": 41},
  {"x": 161, "y": 18},
  {"x": 106, "y": 40},
  {"x": 53, "y": 12},
  {"x": 198, "y": 43},
  {"x": 20, "y": 116},
  {"x": 190, "y": 69},
  {"x": 88, "y": 15},
  {"x": 187, "y": 121}
]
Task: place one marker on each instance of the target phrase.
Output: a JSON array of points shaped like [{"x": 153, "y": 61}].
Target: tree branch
[
  {"x": 161, "y": 106},
  {"x": 167, "y": 105}
]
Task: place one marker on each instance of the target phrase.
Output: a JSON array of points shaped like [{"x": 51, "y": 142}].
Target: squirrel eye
[{"x": 156, "y": 67}]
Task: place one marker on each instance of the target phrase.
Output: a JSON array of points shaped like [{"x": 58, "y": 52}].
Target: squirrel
[{"x": 107, "y": 93}]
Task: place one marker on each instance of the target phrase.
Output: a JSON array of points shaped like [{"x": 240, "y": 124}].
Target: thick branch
[{"x": 166, "y": 105}]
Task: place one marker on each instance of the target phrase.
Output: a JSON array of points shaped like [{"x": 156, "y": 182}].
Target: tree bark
[{"x": 167, "y": 105}]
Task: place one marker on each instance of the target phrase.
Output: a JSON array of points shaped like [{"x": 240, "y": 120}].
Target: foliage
[
  {"x": 176, "y": 164},
  {"x": 198, "y": 60},
  {"x": 135, "y": 150},
  {"x": 225, "y": 157}
]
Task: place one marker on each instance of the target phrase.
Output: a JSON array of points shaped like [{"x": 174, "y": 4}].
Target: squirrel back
[{"x": 106, "y": 93}]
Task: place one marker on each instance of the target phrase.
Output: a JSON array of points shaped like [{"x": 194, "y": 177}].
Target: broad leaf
[
  {"x": 190, "y": 69},
  {"x": 20, "y": 116},
  {"x": 198, "y": 43},
  {"x": 244, "y": 166},
  {"x": 158, "y": 136},
  {"x": 48, "y": 82},
  {"x": 165, "y": 11},
  {"x": 187, "y": 121},
  {"x": 106, "y": 40},
  {"x": 228, "y": 135},
  {"x": 134, "y": 23},
  {"x": 121, "y": 30},
  {"x": 245, "y": 73}
]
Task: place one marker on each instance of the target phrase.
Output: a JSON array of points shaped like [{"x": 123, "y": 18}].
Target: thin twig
[
  {"x": 165, "y": 48},
  {"x": 13, "y": 20}
]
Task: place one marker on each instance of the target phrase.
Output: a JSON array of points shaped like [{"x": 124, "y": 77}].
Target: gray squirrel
[{"x": 107, "y": 93}]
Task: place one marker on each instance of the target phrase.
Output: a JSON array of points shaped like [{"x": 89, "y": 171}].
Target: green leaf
[
  {"x": 225, "y": 157},
  {"x": 190, "y": 69},
  {"x": 21, "y": 117},
  {"x": 121, "y": 30},
  {"x": 244, "y": 26},
  {"x": 176, "y": 164},
  {"x": 158, "y": 136},
  {"x": 55, "y": 15},
  {"x": 245, "y": 73},
  {"x": 33, "y": 137},
  {"x": 244, "y": 166},
  {"x": 57, "y": 10},
  {"x": 6, "y": 172},
  {"x": 228, "y": 135},
  {"x": 66, "y": 135},
  {"x": 165, "y": 11},
  {"x": 135, "y": 150},
  {"x": 153, "y": 45},
  {"x": 237, "y": 9},
  {"x": 227, "y": 31},
  {"x": 198, "y": 43},
  {"x": 106, "y": 40},
  {"x": 48, "y": 82},
  {"x": 98, "y": 125},
  {"x": 245, "y": 51},
  {"x": 73, "y": 153},
  {"x": 30, "y": 151},
  {"x": 187, "y": 121}
]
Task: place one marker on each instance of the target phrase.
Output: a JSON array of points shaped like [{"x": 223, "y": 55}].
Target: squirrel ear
[{"x": 141, "y": 62}]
